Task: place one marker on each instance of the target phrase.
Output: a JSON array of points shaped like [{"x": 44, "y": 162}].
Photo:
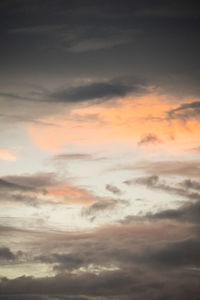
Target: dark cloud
[
  {"x": 178, "y": 254},
  {"x": 185, "y": 111},
  {"x": 62, "y": 262},
  {"x": 187, "y": 213},
  {"x": 18, "y": 191},
  {"x": 38, "y": 180},
  {"x": 27, "y": 189},
  {"x": 6, "y": 184},
  {"x": 142, "y": 258},
  {"x": 78, "y": 39},
  {"x": 190, "y": 184},
  {"x": 93, "y": 91},
  {"x": 42, "y": 188},
  {"x": 65, "y": 40},
  {"x": 117, "y": 283},
  {"x": 100, "y": 206},
  {"x": 113, "y": 189},
  {"x": 154, "y": 182},
  {"x": 6, "y": 254},
  {"x": 149, "y": 139},
  {"x": 38, "y": 102}
]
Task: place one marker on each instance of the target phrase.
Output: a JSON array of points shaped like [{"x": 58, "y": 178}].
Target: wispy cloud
[
  {"x": 185, "y": 111},
  {"x": 154, "y": 182},
  {"x": 149, "y": 139}
]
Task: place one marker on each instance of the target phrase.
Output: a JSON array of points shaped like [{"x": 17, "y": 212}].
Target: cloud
[
  {"x": 26, "y": 189},
  {"x": 38, "y": 180},
  {"x": 154, "y": 182},
  {"x": 75, "y": 156},
  {"x": 113, "y": 189},
  {"x": 51, "y": 102},
  {"x": 80, "y": 38},
  {"x": 100, "y": 206},
  {"x": 90, "y": 284},
  {"x": 189, "y": 212},
  {"x": 62, "y": 262},
  {"x": 6, "y": 254},
  {"x": 6, "y": 184},
  {"x": 143, "y": 273},
  {"x": 185, "y": 168},
  {"x": 44, "y": 188},
  {"x": 125, "y": 261},
  {"x": 185, "y": 111},
  {"x": 178, "y": 254},
  {"x": 106, "y": 41},
  {"x": 190, "y": 184},
  {"x": 149, "y": 139},
  {"x": 93, "y": 91},
  {"x": 72, "y": 156}
]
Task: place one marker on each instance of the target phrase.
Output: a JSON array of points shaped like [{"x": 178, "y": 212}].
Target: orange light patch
[
  {"x": 127, "y": 121},
  {"x": 7, "y": 154},
  {"x": 72, "y": 195}
]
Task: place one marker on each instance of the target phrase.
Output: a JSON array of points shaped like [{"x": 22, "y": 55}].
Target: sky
[{"x": 99, "y": 150}]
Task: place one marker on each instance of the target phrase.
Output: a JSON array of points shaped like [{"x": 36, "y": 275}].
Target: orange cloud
[
  {"x": 127, "y": 121},
  {"x": 71, "y": 195}
]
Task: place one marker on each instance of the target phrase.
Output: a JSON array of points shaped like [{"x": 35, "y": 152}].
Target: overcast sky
[{"x": 99, "y": 150}]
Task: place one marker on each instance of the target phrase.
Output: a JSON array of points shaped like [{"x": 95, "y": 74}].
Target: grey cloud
[
  {"x": 76, "y": 156},
  {"x": 72, "y": 156},
  {"x": 185, "y": 111},
  {"x": 6, "y": 184},
  {"x": 154, "y": 182},
  {"x": 113, "y": 189},
  {"x": 62, "y": 41},
  {"x": 15, "y": 96},
  {"x": 80, "y": 39},
  {"x": 83, "y": 284},
  {"x": 27, "y": 189},
  {"x": 187, "y": 213},
  {"x": 38, "y": 188},
  {"x": 178, "y": 254},
  {"x": 181, "y": 168},
  {"x": 100, "y": 206},
  {"x": 93, "y": 91},
  {"x": 37, "y": 180},
  {"x": 149, "y": 139},
  {"x": 5, "y": 253},
  {"x": 102, "y": 38},
  {"x": 147, "y": 258},
  {"x": 63, "y": 261},
  {"x": 121, "y": 285},
  {"x": 149, "y": 181},
  {"x": 190, "y": 184}
]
